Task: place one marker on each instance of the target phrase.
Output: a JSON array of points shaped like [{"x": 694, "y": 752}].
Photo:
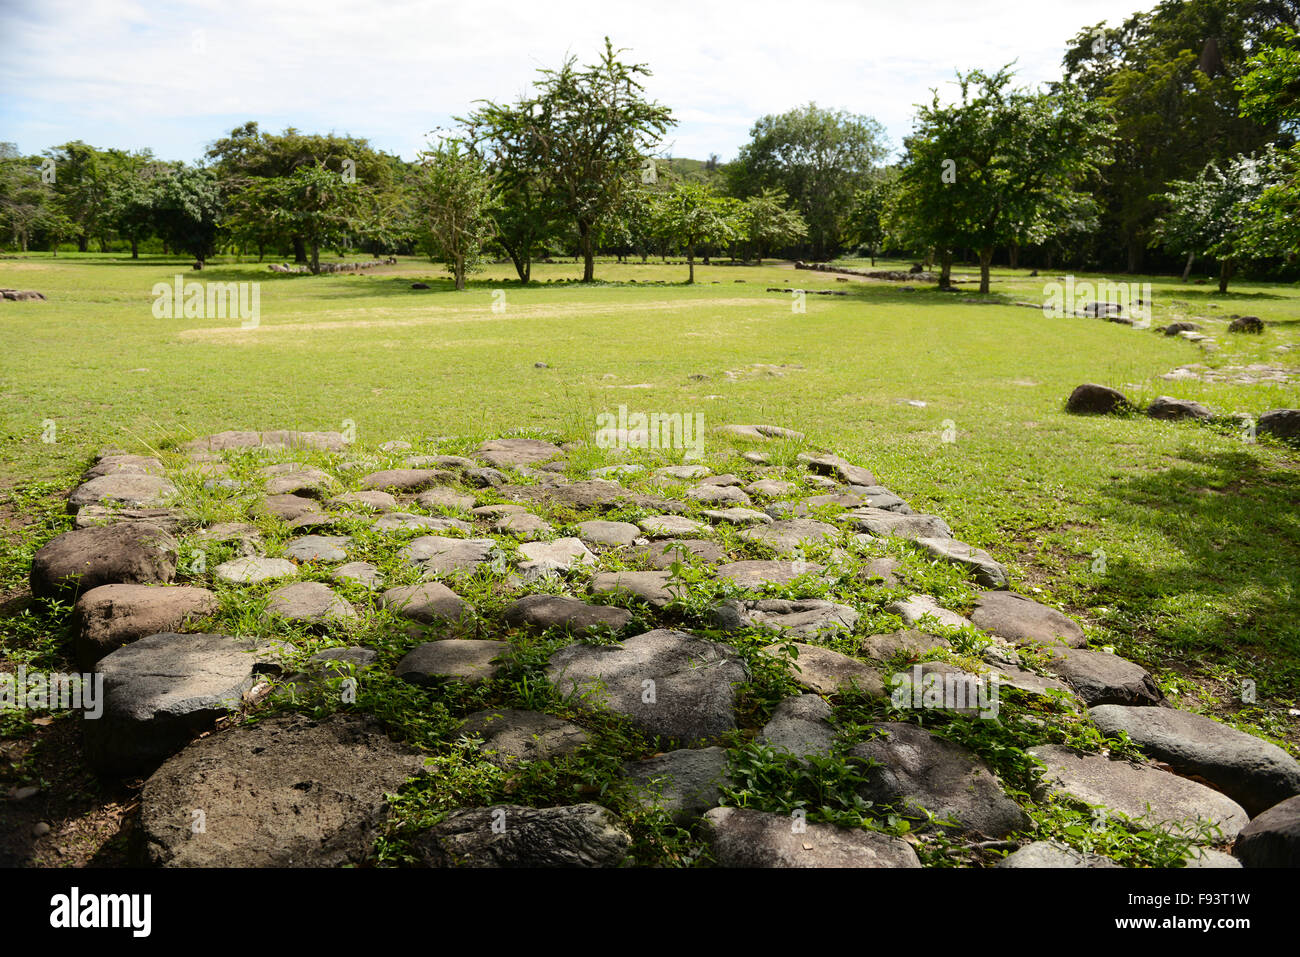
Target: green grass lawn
[{"x": 1198, "y": 528}]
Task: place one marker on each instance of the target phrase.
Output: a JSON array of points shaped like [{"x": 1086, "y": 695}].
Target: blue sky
[{"x": 176, "y": 75}]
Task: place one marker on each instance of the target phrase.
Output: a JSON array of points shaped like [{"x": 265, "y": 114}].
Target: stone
[
  {"x": 136, "y": 464},
  {"x": 285, "y": 792},
  {"x": 361, "y": 573},
  {"x": 880, "y": 571},
  {"x": 289, "y": 508},
  {"x": 1024, "y": 621},
  {"x": 608, "y": 533},
  {"x": 917, "y": 768},
  {"x": 986, "y": 569},
  {"x": 428, "y": 603},
  {"x": 169, "y": 519},
  {"x": 252, "y": 569},
  {"x": 1101, "y": 678},
  {"x": 1176, "y": 327},
  {"x": 438, "y": 556},
  {"x": 612, "y": 471},
  {"x": 829, "y": 672},
  {"x": 836, "y": 467},
  {"x": 656, "y": 588},
  {"x": 692, "y": 695},
  {"x": 743, "y": 838},
  {"x": 1093, "y": 399},
  {"x": 409, "y": 521},
  {"x": 310, "y": 602},
  {"x": 760, "y": 433},
  {"x": 317, "y": 548},
  {"x": 791, "y": 535},
  {"x": 683, "y": 473},
  {"x": 161, "y": 690},
  {"x": 1273, "y": 838},
  {"x": 803, "y": 618},
  {"x": 1282, "y": 424},
  {"x": 716, "y": 495},
  {"x": 552, "y": 611},
  {"x": 559, "y": 555},
  {"x": 726, "y": 478},
  {"x": 580, "y": 835},
  {"x": 523, "y": 525},
  {"x": 1142, "y": 793},
  {"x": 445, "y": 498},
  {"x": 671, "y": 526},
  {"x": 756, "y": 574},
  {"x": 124, "y": 489},
  {"x": 685, "y": 783},
  {"x": 270, "y": 441},
  {"x": 664, "y": 552},
  {"x": 244, "y": 537},
  {"x": 1051, "y": 854},
  {"x": 1167, "y": 407},
  {"x": 911, "y": 643},
  {"x": 496, "y": 511},
  {"x": 405, "y": 480},
  {"x": 1251, "y": 325},
  {"x": 485, "y": 477},
  {"x": 880, "y": 521},
  {"x": 770, "y": 488},
  {"x": 1253, "y": 772},
  {"x": 1208, "y": 857},
  {"x": 110, "y": 616},
  {"x": 737, "y": 516},
  {"x": 800, "y": 725},
  {"x": 308, "y": 482},
  {"x": 916, "y": 609},
  {"x": 373, "y": 501},
  {"x": 466, "y": 660},
  {"x": 503, "y": 452},
  {"x": 134, "y": 553},
  {"x": 511, "y": 735}
]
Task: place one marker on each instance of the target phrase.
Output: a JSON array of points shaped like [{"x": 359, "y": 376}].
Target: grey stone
[
  {"x": 987, "y": 570},
  {"x": 915, "y": 609},
  {"x": 559, "y": 555},
  {"x": 125, "y": 489},
  {"x": 110, "y": 616},
  {"x": 792, "y": 535},
  {"x": 135, "y": 553},
  {"x": 693, "y": 682},
  {"x": 360, "y": 573},
  {"x": 466, "y": 660},
  {"x": 829, "y": 672},
  {"x": 523, "y": 525},
  {"x": 406, "y": 480},
  {"x": 879, "y": 521},
  {"x": 310, "y": 602},
  {"x": 1101, "y": 678},
  {"x": 511, "y": 735},
  {"x": 246, "y": 538},
  {"x": 503, "y": 452},
  {"x": 437, "y": 556},
  {"x": 318, "y": 548},
  {"x": 1273, "y": 838},
  {"x": 833, "y": 465},
  {"x": 608, "y": 533},
  {"x": 800, "y": 725},
  {"x": 671, "y": 526},
  {"x": 252, "y": 569},
  {"x": 685, "y": 783},
  {"x": 111, "y": 464},
  {"x": 445, "y": 498},
  {"x": 756, "y": 574},
  {"x": 1166, "y": 407},
  {"x": 309, "y": 482},
  {"x": 911, "y": 642},
  {"x": 737, "y": 516},
  {"x": 683, "y": 473},
  {"x": 581, "y": 835},
  {"x": 745, "y": 838},
  {"x": 805, "y": 617},
  {"x": 716, "y": 495},
  {"x": 1093, "y": 399},
  {"x": 409, "y": 521},
  {"x": 1024, "y": 621},
  {"x": 1051, "y": 854},
  {"x": 656, "y": 587},
  {"x": 373, "y": 501},
  {"x": 770, "y": 488},
  {"x": 664, "y": 552},
  {"x": 1283, "y": 424},
  {"x": 427, "y": 603},
  {"x": 169, "y": 519},
  {"x": 549, "y": 611}
]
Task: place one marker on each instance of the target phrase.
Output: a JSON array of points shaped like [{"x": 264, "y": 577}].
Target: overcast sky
[{"x": 176, "y": 75}]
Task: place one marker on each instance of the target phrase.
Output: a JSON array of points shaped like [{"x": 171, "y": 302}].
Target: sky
[{"x": 174, "y": 76}]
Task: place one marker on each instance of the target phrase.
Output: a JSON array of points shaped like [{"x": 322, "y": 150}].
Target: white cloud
[{"x": 175, "y": 76}]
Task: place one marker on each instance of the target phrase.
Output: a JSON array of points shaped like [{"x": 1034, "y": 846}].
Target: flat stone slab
[
  {"x": 445, "y": 498},
  {"x": 1140, "y": 792},
  {"x": 558, "y": 555},
  {"x": 663, "y": 553},
  {"x": 297, "y": 511},
  {"x": 318, "y": 548},
  {"x": 405, "y": 480},
  {"x": 716, "y": 495},
  {"x": 285, "y": 792},
  {"x": 467, "y": 660},
  {"x": 737, "y": 516},
  {"x": 760, "y": 433},
  {"x": 1273, "y": 838},
  {"x": 917, "y": 768},
  {"x": 310, "y": 602},
  {"x": 685, "y": 783},
  {"x": 91, "y": 516},
  {"x": 683, "y": 473},
  {"x": 511, "y": 735},
  {"x": 608, "y": 533},
  {"x": 523, "y": 525},
  {"x": 1024, "y": 621},
  {"x": 886, "y": 523},
  {"x": 756, "y": 574},
  {"x": 246, "y": 538},
  {"x": 691, "y": 690},
  {"x": 371, "y": 501},
  {"x": 161, "y": 690},
  {"x": 410, "y": 521},
  {"x": 911, "y": 642},
  {"x": 437, "y": 555},
  {"x": 427, "y": 603},
  {"x": 124, "y": 489},
  {"x": 502, "y": 452},
  {"x": 743, "y": 838},
  {"x": 792, "y": 534},
  {"x": 309, "y": 482},
  {"x": 653, "y": 587},
  {"x": 112, "y": 464},
  {"x": 986, "y": 569},
  {"x": 770, "y": 488},
  {"x": 1253, "y": 772},
  {"x": 135, "y": 553},
  {"x": 1051, "y": 854},
  {"x": 800, "y": 725},
  {"x": 110, "y": 616},
  {"x": 829, "y": 672},
  {"x": 671, "y": 526},
  {"x": 549, "y": 611},
  {"x": 580, "y": 835},
  {"x": 497, "y": 510},
  {"x": 269, "y": 441},
  {"x": 805, "y": 617},
  {"x": 252, "y": 569},
  {"x": 842, "y": 469},
  {"x": 916, "y": 609},
  {"x": 1101, "y": 678},
  {"x": 360, "y": 573}
]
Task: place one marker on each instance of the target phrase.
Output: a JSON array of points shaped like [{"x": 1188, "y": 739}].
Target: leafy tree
[
  {"x": 819, "y": 158},
  {"x": 25, "y": 201},
  {"x": 869, "y": 215},
  {"x": 690, "y": 215},
  {"x": 766, "y": 221},
  {"x": 455, "y": 203},
  {"x": 314, "y": 203},
  {"x": 188, "y": 210}
]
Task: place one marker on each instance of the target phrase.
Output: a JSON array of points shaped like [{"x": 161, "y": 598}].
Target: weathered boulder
[
  {"x": 986, "y": 569},
  {"x": 1024, "y": 621},
  {"x": 1101, "y": 678},
  {"x": 1093, "y": 399},
  {"x": 800, "y": 725},
  {"x": 110, "y": 616},
  {"x": 1273, "y": 838},
  {"x": 829, "y": 672},
  {"x": 467, "y": 660},
  {"x": 510, "y": 735},
  {"x": 685, "y": 783},
  {"x": 85, "y": 558},
  {"x": 745, "y": 838},
  {"x": 426, "y": 603},
  {"x": 123, "y": 489},
  {"x": 549, "y": 611},
  {"x": 581, "y": 835},
  {"x": 805, "y": 618}
]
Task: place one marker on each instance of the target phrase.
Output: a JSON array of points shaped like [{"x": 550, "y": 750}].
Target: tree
[
  {"x": 691, "y": 215},
  {"x": 766, "y": 221},
  {"x": 819, "y": 158},
  {"x": 587, "y": 130},
  {"x": 869, "y": 215},
  {"x": 455, "y": 203},
  {"x": 314, "y": 203},
  {"x": 82, "y": 177},
  {"x": 25, "y": 201},
  {"x": 188, "y": 210},
  {"x": 131, "y": 204}
]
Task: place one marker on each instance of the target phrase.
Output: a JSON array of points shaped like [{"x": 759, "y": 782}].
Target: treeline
[{"x": 1168, "y": 139}]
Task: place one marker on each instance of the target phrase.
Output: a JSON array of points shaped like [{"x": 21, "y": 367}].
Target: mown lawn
[{"x": 1177, "y": 543}]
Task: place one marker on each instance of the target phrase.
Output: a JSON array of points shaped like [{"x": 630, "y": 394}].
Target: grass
[{"x": 1174, "y": 542}]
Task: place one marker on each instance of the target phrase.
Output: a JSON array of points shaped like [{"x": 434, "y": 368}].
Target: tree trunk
[
  {"x": 315, "y": 259},
  {"x": 299, "y": 251},
  {"x": 1226, "y": 269},
  {"x": 945, "y": 269},
  {"x": 690, "y": 261},
  {"x": 83, "y": 243},
  {"x": 135, "y": 248},
  {"x": 986, "y": 259},
  {"x": 460, "y": 272},
  {"x": 1134, "y": 254},
  {"x": 588, "y": 254},
  {"x": 1014, "y": 257},
  {"x": 873, "y": 255},
  {"x": 260, "y": 252},
  {"x": 1187, "y": 269}
]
